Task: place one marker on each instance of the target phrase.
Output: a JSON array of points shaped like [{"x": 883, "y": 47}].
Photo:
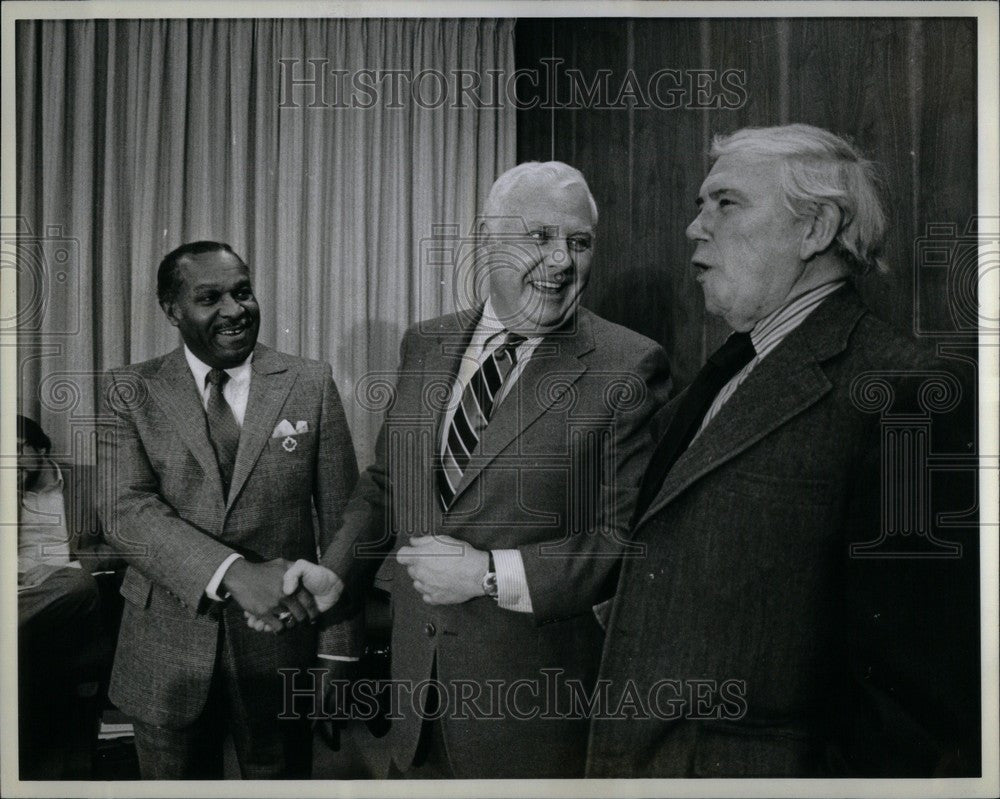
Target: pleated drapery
[{"x": 135, "y": 136}]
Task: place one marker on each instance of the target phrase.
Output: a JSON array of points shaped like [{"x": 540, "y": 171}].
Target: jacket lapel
[
  {"x": 445, "y": 346},
  {"x": 269, "y": 386},
  {"x": 557, "y": 355},
  {"x": 175, "y": 391},
  {"x": 783, "y": 385}
]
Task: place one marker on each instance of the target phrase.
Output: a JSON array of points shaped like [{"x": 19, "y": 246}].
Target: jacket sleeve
[
  {"x": 568, "y": 577},
  {"x": 908, "y": 700},
  {"x": 336, "y": 464},
  {"x": 363, "y": 540}
]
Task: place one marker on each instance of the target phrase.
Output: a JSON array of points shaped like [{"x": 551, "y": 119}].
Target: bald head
[{"x": 532, "y": 178}]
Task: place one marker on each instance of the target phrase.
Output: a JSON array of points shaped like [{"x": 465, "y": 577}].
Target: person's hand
[
  {"x": 444, "y": 570},
  {"x": 319, "y": 584},
  {"x": 258, "y": 588}
]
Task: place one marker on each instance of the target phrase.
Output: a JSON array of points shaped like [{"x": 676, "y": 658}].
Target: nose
[
  {"x": 556, "y": 255},
  {"x": 696, "y": 230},
  {"x": 229, "y": 307}
]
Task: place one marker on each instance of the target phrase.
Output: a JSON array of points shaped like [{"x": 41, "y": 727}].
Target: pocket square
[
  {"x": 282, "y": 429},
  {"x": 301, "y": 427}
]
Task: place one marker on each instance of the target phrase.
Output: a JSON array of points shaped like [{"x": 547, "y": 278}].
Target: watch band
[{"x": 490, "y": 587}]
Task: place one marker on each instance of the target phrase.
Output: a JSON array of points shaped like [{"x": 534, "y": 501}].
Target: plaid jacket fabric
[
  {"x": 162, "y": 508},
  {"x": 555, "y": 476}
]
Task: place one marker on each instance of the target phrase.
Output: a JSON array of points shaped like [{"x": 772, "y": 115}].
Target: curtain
[{"x": 135, "y": 136}]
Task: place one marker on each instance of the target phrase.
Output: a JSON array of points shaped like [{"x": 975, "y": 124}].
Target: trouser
[{"x": 266, "y": 747}]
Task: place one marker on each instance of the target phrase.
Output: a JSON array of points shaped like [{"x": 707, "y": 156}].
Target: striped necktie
[
  {"x": 479, "y": 400},
  {"x": 223, "y": 429}
]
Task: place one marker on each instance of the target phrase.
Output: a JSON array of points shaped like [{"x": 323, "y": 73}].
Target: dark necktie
[
  {"x": 473, "y": 414},
  {"x": 721, "y": 367},
  {"x": 222, "y": 428}
]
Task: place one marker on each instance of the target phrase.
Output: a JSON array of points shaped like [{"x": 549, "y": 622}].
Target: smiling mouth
[
  {"x": 233, "y": 331},
  {"x": 548, "y": 286}
]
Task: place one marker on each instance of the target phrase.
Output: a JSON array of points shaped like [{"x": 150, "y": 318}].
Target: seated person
[{"x": 58, "y": 605}]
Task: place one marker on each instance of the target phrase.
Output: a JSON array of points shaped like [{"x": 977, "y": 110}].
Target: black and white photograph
[{"x": 499, "y": 399}]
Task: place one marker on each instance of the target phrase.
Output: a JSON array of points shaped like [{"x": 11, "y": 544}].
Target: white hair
[
  {"x": 553, "y": 173},
  {"x": 817, "y": 166}
]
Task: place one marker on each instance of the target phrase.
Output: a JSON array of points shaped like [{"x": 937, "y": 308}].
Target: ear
[
  {"x": 822, "y": 229},
  {"x": 483, "y": 234},
  {"x": 168, "y": 309}
]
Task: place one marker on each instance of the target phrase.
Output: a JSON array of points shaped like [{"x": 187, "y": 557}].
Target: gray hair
[
  {"x": 555, "y": 173},
  {"x": 820, "y": 167}
]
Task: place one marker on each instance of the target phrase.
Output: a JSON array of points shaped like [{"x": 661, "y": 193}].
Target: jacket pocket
[{"x": 735, "y": 750}]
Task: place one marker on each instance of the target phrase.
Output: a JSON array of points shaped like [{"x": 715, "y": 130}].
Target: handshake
[{"x": 279, "y": 594}]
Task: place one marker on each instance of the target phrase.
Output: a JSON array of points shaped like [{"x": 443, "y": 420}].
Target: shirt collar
[
  {"x": 200, "y": 369},
  {"x": 489, "y": 324},
  {"x": 771, "y": 326}
]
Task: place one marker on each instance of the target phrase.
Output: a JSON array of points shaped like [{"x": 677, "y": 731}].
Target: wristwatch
[{"x": 490, "y": 579}]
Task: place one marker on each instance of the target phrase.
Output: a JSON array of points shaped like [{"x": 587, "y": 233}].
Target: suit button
[{"x": 429, "y": 629}]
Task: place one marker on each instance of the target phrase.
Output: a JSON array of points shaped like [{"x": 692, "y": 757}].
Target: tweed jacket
[
  {"x": 771, "y": 626},
  {"x": 163, "y": 510}
]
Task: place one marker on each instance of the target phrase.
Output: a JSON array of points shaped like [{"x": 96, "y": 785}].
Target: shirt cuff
[
  {"x": 212, "y": 589},
  {"x": 512, "y": 582},
  {"x": 344, "y": 658}
]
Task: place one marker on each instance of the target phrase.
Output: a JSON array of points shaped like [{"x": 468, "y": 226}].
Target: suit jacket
[
  {"x": 163, "y": 509},
  {"x": 818, "y": 659},
  {"x": 554, "y": 476}
]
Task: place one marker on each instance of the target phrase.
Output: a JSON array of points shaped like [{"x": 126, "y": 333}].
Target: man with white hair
[
  {"x": 505, "y": 475},
  {"x": 763, "y": 635}
]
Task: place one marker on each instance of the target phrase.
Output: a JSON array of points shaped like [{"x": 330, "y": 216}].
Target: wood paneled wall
[{"x": 904, "y": 90}]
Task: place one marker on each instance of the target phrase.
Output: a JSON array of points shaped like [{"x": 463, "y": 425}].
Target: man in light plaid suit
[{"x": 216, "y": 459}]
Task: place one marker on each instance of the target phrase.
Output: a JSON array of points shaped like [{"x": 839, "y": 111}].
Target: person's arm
[
  {"x": 907, "y": 703},
  {"x": 569, "y": 576},
  {"x": 336, "y": 464},
  {"x": 336, "y": 477},
  {"x": 363, "y": 539}
]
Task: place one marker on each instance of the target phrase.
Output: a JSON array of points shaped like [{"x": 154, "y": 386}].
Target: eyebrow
[
  {"x": 244, "y": 281},
  {"x": 716, "y": 193},
  {"x": 551, "y": 230}
]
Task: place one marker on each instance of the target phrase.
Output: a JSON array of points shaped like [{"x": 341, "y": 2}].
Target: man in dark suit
[
  {"x": 216, "y": 458},
  {"x": 774, "y": 628},
  {"x": 505, "y": 475}
]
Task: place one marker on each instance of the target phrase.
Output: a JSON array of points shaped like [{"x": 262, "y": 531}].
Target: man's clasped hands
[{"x": 279, "y": 594}]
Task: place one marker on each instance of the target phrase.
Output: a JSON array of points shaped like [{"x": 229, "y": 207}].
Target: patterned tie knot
[{"x": 217, "y": 377}]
